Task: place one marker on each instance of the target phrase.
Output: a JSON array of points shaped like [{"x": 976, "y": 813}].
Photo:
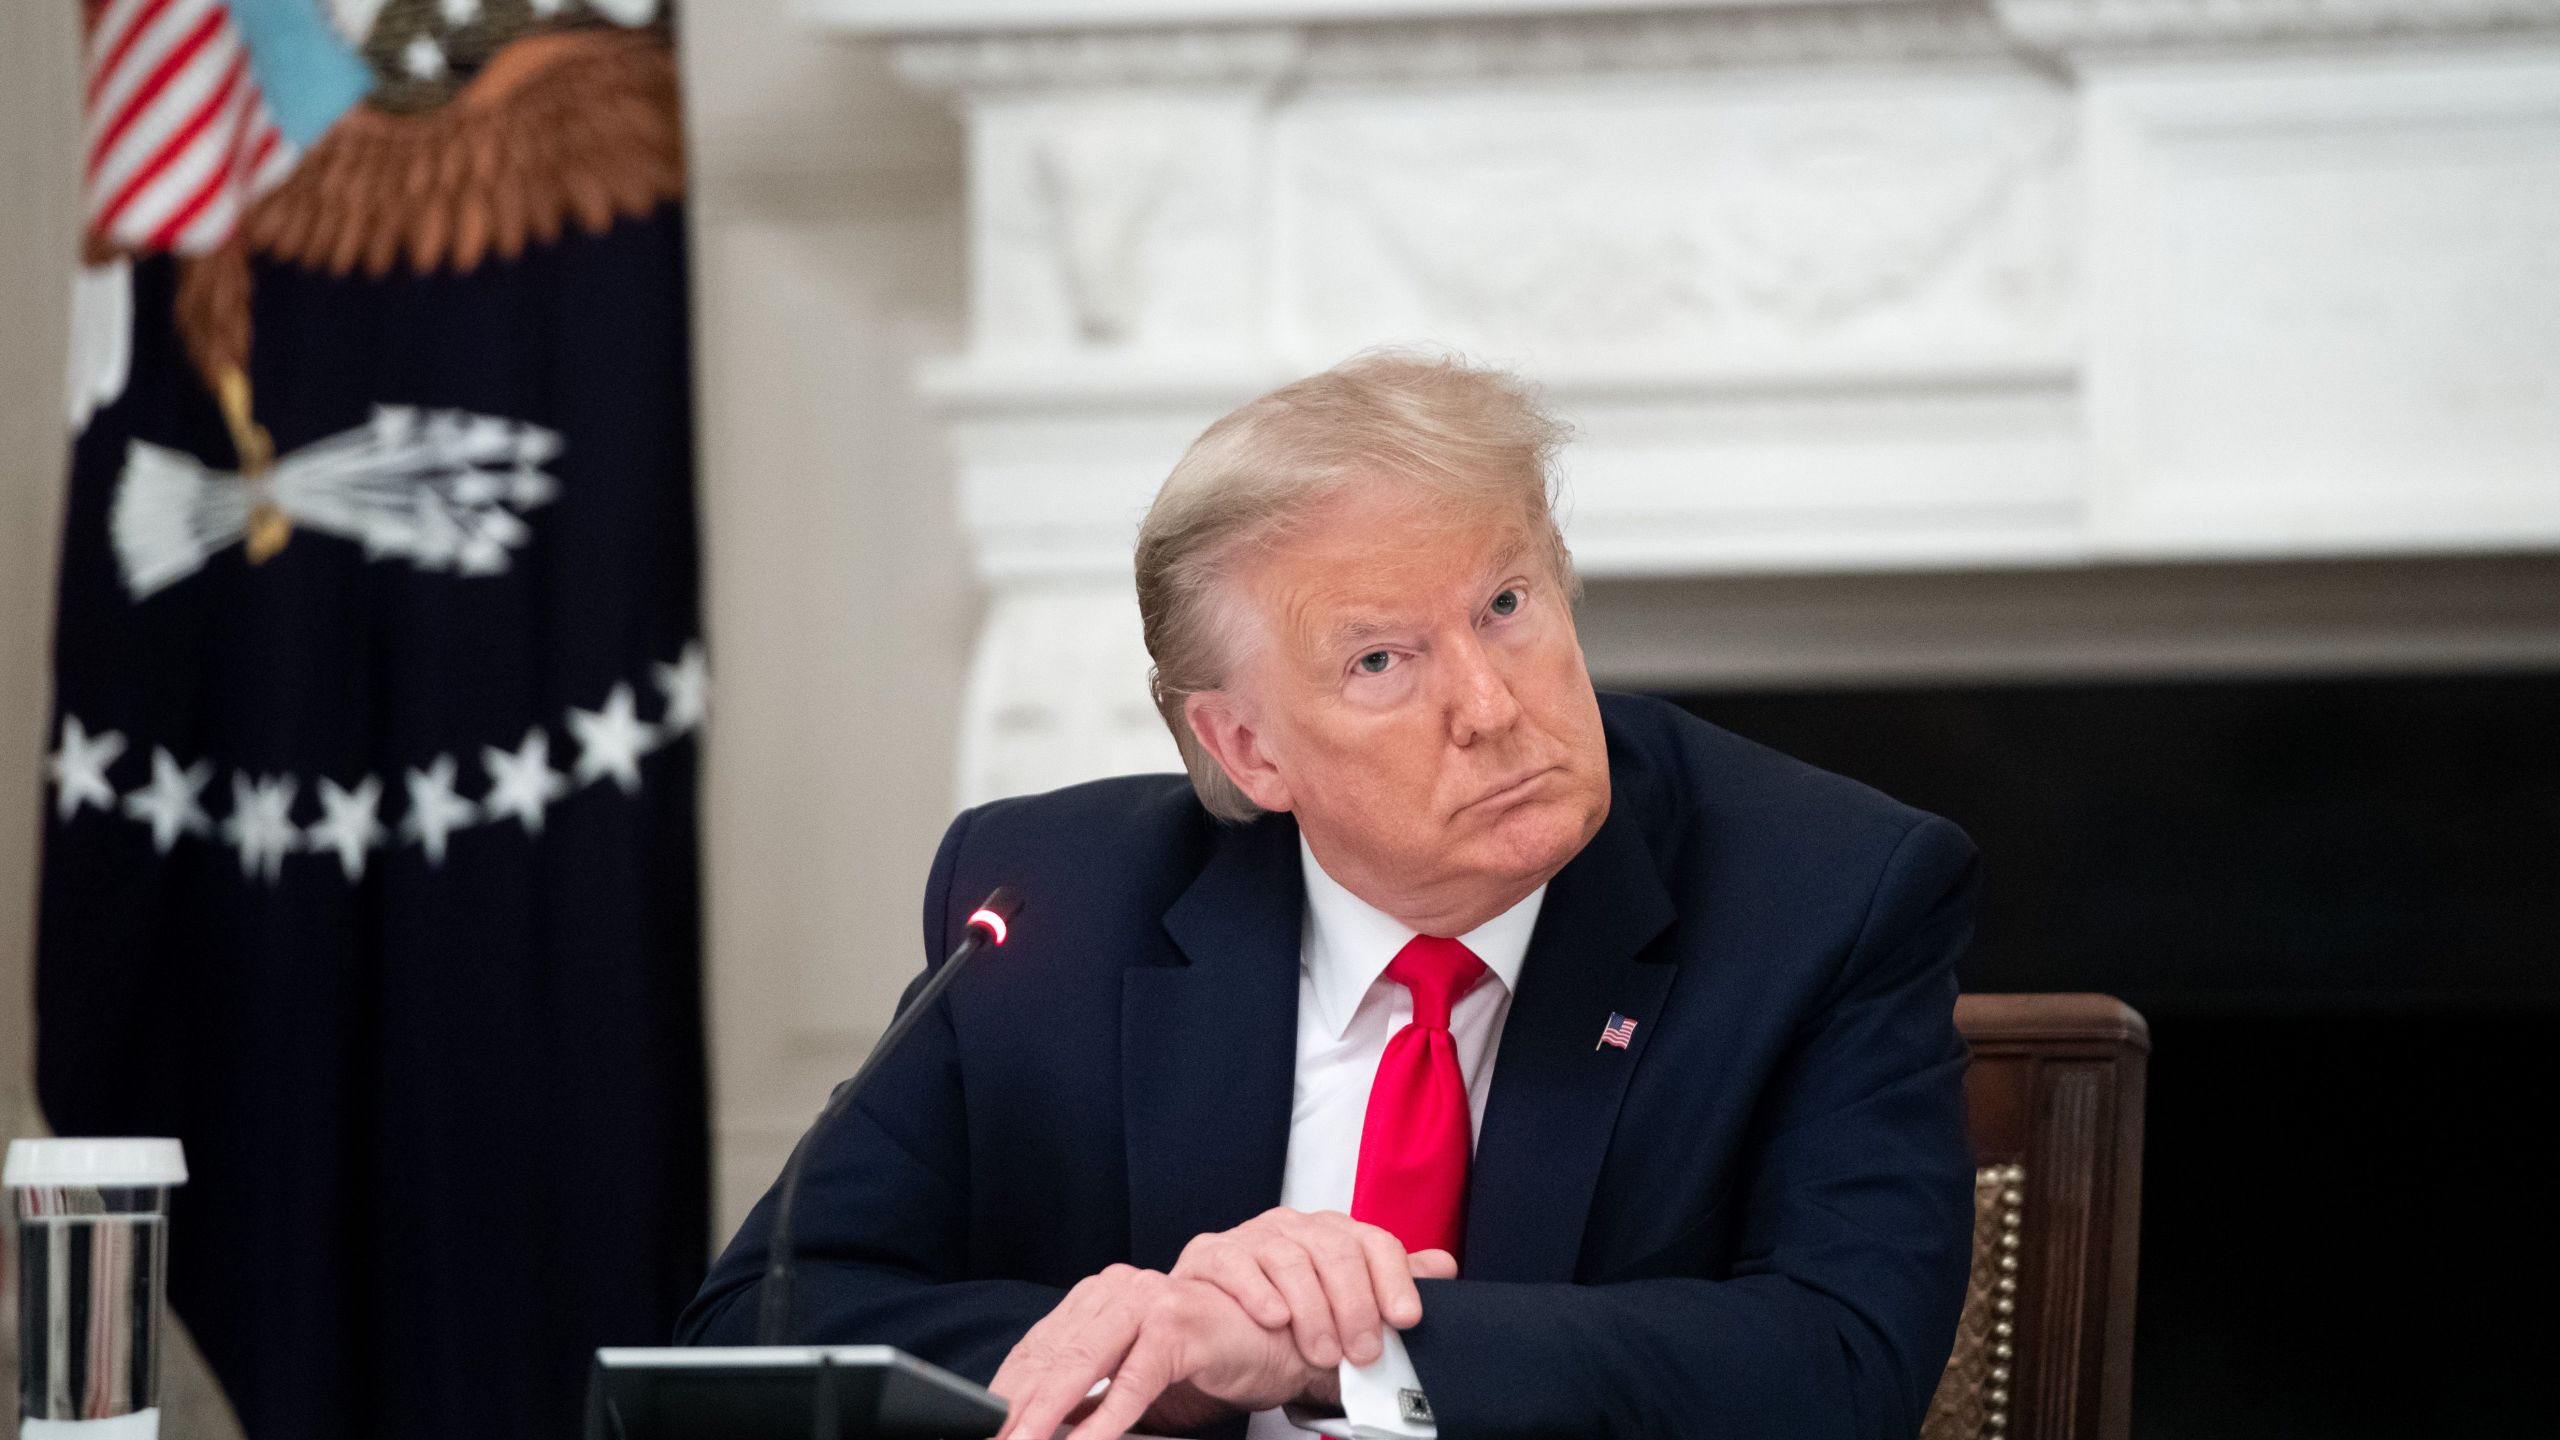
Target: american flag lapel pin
[{"x": 1619, "y": 1030}]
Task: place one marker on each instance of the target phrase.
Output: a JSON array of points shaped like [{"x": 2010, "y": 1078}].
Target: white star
[
  {"x": 522, "y": 783},
  {"x": 168, "y": 803},
  {"x": 261, "y": 826},
  {"x": 530, "y": 489},
  {"x": 79, "y": 769},
  {"x": 480, "y": 553},
  {"x": 611, "y": 741},
  {"x": 435, "y": 812},
  {"x": 687, "y": 686},
  {"x": 351, "y": 825},
  {"x": 459, "y": 12},
  {"x": 423, "y": 59}
]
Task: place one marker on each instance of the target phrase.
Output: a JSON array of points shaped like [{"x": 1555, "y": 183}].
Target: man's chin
[{"x": 1533, "y": 840}]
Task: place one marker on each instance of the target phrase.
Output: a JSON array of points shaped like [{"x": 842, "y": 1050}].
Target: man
[{"x": 1454, "y": 1048}]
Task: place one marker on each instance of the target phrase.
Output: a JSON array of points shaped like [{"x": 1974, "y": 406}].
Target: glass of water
[{"x": 93, "y": 1250}]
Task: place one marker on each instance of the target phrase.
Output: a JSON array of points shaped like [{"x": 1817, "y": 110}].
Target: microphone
[{"x": 989, "y": 924}]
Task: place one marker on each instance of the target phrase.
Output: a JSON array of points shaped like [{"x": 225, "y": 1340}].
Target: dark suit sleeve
[
  {"x": 1853, "y": 1234},
  {"x": 883, "y": 1211}
]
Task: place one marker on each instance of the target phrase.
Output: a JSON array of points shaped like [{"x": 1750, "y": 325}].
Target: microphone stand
[{"x": 987, "y": 924}]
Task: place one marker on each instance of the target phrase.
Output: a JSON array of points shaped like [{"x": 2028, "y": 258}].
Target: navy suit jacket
[{"x": 1754, "y": 1220}]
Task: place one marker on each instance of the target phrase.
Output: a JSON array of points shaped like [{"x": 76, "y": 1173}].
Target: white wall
[
  {"x": 39, "y": 238},
  {"x": 828, "y": 255}
]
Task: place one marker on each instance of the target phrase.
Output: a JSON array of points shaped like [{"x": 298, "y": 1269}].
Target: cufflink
[{"x": 1413, "y": 1407}]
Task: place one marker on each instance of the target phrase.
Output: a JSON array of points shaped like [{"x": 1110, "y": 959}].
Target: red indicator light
[{"x": 991, "y": 921}]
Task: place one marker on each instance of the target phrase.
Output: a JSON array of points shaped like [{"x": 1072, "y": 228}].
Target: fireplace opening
[{"x": 2338, "y": 902}]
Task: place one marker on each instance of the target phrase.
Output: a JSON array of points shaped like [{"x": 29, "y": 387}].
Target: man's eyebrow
[
  {"x": 1361, "y": 628},
  {"x": 1356, "y": 630}
]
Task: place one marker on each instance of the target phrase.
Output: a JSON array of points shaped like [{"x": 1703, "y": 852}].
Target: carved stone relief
[
  {"x": 2109, "y": 25},
  {"x": 1719, "y": 221},
  {"x": 994, "y": 61},
  {"x": 2330, "y": 316},
  {"x": 1115, "y": 223},
  {"x": 1657, "y": 41},
  {"x": 1831, "y": 284},
  {"x": 2311, "y": 373},
  {"x": 1001, "y": 60},
  {"x": 1058, "y": 693}
]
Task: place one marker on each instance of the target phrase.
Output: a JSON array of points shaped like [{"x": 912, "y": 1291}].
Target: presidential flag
[{"x": 369, "y": 860}]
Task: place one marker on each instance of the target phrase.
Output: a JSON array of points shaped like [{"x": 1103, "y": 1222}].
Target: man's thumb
[{"x": 1434, "y": 1265}]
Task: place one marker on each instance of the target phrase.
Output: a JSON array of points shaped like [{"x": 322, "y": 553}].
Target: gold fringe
[{"x": 572, "y": 126}]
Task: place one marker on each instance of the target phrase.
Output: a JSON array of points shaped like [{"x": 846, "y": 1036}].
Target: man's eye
[
  {"x": 1507, "y": 603},
  {"x": 1375, "y": 662}
]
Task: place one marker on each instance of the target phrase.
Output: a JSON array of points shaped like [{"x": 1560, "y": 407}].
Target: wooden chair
[{"x": 2054, "y": 1099}]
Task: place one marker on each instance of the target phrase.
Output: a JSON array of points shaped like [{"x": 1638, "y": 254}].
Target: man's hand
[
  {"x": 1329, "y": 1278},
  {"x": 1178, "y": 1352}
]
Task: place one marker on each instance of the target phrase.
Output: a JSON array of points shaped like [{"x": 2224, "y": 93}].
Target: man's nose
[{"x": 1480, "y": 699}]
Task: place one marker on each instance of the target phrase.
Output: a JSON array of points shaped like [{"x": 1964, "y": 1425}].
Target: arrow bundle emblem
[{"x": 445, "y": 490}]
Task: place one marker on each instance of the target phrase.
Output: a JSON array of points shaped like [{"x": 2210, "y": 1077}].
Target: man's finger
[
  {"x": 1433, "y": 1265},
  {"x": 1233, "y": 1271},
  {"x": 1142, "y": 1376},
  {"x": 1391, "y": 1277},
  {"x": 1031, "y": 1357},
  {"x": 1310, "y": 1313},
  {"x": 1344, "y": 1268},
  {"x": 1069, "y": 1361},
  {"x": 1019, "y": 1373},
  {"x": 1053, "y": 1396},
  {"x": 1033, "y": 1412}
]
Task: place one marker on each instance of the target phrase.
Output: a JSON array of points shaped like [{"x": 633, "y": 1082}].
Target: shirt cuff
[{"x": 1384, "y": 1397}]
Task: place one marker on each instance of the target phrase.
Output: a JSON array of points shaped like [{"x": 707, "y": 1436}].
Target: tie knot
[{"x": 1437, "y": 970}]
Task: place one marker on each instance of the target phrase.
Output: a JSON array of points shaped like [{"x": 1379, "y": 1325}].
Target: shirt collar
[{"x": 1349, "y": 942}]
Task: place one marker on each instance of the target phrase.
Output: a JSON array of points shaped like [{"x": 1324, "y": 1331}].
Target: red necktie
[{"x": 1415, "y": 1142}]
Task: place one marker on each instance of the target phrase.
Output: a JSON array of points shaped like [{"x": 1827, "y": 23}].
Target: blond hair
[{"x": 1474, "y": 439}]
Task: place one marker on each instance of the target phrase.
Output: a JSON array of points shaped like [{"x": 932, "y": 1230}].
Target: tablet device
[{"x": 783, "y": 1392}]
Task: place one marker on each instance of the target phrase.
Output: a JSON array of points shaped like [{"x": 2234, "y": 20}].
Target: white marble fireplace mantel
[{"x": 2029, "y": 287}]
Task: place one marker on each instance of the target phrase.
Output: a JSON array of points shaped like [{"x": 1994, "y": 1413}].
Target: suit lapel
[
  {"x": 1209, "y": 1048},
  {"x": 1555, "y": 1096}
]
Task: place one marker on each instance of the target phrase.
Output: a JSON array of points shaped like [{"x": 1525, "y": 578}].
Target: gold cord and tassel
[{"x": 269, "y": 527}]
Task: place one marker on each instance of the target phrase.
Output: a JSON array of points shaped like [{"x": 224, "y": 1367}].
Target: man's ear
[{"x": 1227, "y": 733}]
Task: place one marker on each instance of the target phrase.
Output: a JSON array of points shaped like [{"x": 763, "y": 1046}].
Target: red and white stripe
[{"x": 179, "y": 139}]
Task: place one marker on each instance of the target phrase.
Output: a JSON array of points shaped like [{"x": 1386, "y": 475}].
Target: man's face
[{"x": 1415, "y": 694}]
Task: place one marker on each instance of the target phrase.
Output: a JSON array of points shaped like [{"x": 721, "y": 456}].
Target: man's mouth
[{"x": 1510, "y": 790}]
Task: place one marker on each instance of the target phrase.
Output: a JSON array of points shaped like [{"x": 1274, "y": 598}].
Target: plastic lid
[{"x": 98, "y": 1163}]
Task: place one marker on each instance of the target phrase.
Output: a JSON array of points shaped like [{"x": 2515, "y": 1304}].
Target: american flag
[
  {"x": 179, "y": 137},
  {"x": 1619, "y": 1030}
]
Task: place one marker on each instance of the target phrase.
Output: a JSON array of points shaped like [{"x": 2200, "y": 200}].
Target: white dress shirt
[{"x": 1347, "y": 1011}]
